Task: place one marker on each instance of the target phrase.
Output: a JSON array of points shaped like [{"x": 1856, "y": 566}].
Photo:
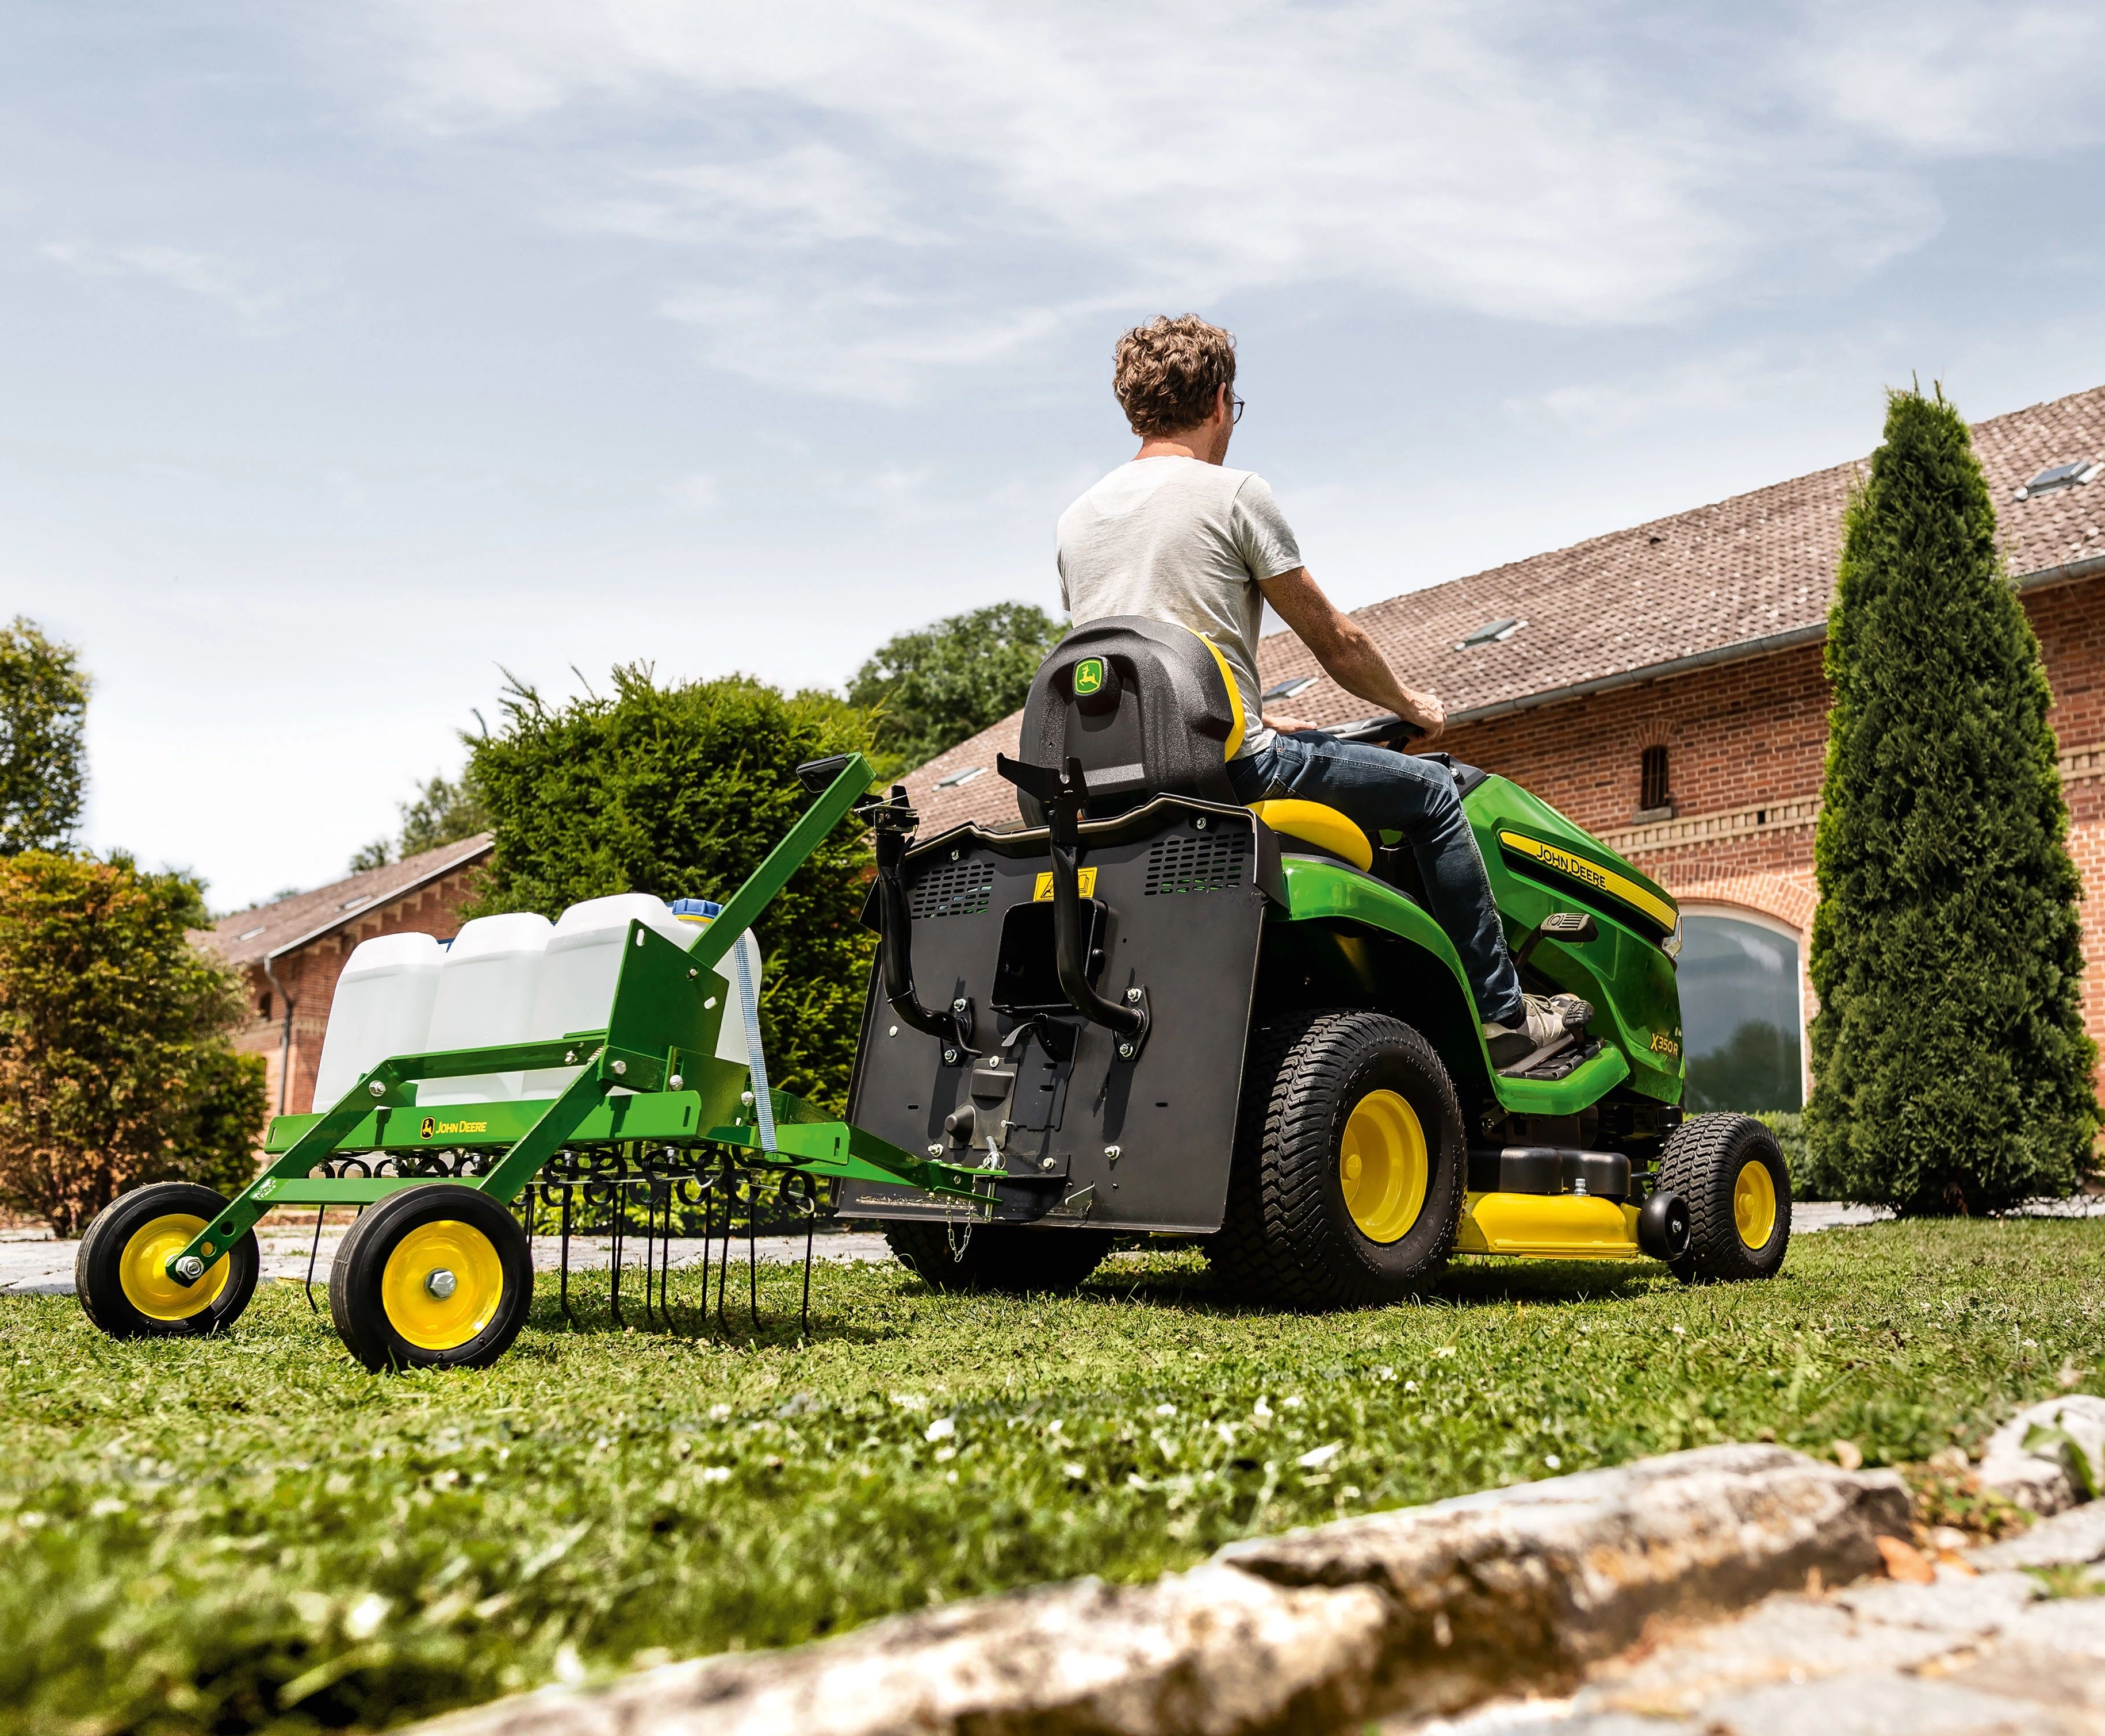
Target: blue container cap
[{"x": 706, "y": 908}]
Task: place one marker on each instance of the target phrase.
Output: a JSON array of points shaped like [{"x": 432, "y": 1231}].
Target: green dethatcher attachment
[{"x": 651, "y": 1119}]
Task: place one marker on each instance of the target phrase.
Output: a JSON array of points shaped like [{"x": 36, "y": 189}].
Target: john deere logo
[
  {"x": 431, "y": 1127},
  {"x": 1088, "y": 676}
]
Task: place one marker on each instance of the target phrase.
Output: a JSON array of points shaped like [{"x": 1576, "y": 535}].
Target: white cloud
[
  {"x": 1181, "y": 153},
  {"x": 194, "y": 273},
  {"x": 1960, "y": 77}
]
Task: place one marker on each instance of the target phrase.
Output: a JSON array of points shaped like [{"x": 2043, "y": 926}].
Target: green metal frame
[{"x": 662, "y": 1027}]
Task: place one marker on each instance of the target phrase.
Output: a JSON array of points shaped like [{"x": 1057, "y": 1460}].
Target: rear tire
[
  {"x": 1349, "y": 1165},
  {"x": 1001, "y": 1257},
  {"x": 120, "y": 1272},
  {"x": 1731, "y": 1171},
  {"x": 436, "y": 1276}
]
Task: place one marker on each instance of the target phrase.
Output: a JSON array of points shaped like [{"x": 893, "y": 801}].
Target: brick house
[
  {"x": 1662, "y": 685},
  {"x": 292, "y": 951}
]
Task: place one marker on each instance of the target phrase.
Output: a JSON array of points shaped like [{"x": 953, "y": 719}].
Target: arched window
[{"x": 1742, "y": 1017}]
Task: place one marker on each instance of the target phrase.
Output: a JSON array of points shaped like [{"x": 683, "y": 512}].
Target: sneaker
[{"x": 1551, "y": 1022}]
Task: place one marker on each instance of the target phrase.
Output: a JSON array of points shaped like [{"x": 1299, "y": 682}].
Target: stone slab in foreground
[{"x": 1424, "y": 1610}]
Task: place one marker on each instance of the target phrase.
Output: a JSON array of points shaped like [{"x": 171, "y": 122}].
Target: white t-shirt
[{"x": 1175, "y": 539}]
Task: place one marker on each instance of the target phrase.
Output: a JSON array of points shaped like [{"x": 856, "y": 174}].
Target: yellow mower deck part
[
  {"x": 1565, "y": 1226},
  {"x": 1754, "y": 1203},
  {"x": 142, "y": 1269},
  {"x": 1383, "y": 1166},
  {"x": 1315, "y": 824},
  {"x": 422, "y": 1304}
]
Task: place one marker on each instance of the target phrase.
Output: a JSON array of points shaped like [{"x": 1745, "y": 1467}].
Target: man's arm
[{"x": 1347, "y": 655}]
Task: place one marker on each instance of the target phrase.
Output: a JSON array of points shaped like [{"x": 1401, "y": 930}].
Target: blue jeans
[{"x": 1384, "y": 791}]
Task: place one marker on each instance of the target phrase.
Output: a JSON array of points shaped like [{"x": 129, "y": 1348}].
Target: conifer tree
[{"x": 1952, "y": 1073}]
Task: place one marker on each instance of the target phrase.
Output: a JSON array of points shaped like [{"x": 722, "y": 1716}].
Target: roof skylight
[
  {"x": 352, "y": 903},
  {"x": 1493, "y": 632},
  {"x": 248, "y": 934},
  {"x": 957, "y": 777},
  {"x": 1287, "y": 688},
  {"x": 2056, "y": 476}
]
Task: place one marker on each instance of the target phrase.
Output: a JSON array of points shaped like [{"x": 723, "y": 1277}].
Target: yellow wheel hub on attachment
[
  {"x": 442, "y": 1284},
  {"x": 1754, "y": 1203},
  {"x": 143, "y": 1270},
  {"x": 1383, "y": 1167}
]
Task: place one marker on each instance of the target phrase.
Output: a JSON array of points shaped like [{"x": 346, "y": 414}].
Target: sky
[{"x": 359, "y": 356}]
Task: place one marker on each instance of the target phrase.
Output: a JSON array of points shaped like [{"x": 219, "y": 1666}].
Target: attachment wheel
[
  {"x": 121, "y": 1273},
  {"x": 1731, "y": 1171},
  {"x": 437, "y": 1276}
]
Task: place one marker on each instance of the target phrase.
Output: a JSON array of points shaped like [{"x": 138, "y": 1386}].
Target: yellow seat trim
[
  {"x": 1234, "y": 700},
  {"x": 1315, "y": 824}
]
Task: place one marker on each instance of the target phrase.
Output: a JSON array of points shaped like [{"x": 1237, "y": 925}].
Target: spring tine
[
  {"x": 708, "y": 1230},
  {"x": 314, "y": 1253},
  {"x": 753, "y": 1250},
  {"x": 665, "y": 1264},
  {"x": 614, "y": 1249},
  {"x": 568, "y": 1320},
  {"x": 723, "y": 1265},
  {"x": 804, "y": 1320}
]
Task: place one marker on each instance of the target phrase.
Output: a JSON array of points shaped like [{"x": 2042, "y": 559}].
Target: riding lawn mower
[{"x": 1144, "y": 1010}]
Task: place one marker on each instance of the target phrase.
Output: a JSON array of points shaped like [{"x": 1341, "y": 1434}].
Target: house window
[
  {"x": 1651, "y": 780},
  {"x": 263, "y": 1005},
  {"x": 1741, "y": 1016}
]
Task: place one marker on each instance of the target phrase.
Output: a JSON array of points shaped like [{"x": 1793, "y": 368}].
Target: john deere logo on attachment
[
  {"x": 431, "y": 1127},
  {"x": 1088, "y": 676}
]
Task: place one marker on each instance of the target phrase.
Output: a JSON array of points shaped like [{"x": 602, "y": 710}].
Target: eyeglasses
[{"x": 1236, "y": 406}]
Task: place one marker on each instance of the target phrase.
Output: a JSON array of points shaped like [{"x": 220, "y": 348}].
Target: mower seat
[{"x": 1150, "y": 709}]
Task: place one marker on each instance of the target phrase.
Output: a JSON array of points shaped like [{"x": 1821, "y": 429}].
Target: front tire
[
  {"x": 120, "y": 1272},
  {"x": 1731, "y": 1171},
  {"x": 436, "y": 1276},
  {"x": 1349, "y": 1165},
  {"x": 1000, "y": 1258}
]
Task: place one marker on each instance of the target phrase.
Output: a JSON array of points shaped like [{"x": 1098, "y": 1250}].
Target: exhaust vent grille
[
  {"x": 956, "y": 889},
  {"x": 1210, "y": 863}
]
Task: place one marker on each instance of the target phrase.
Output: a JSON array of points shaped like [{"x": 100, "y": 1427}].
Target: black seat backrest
[{"x": 1149, "y": 708}]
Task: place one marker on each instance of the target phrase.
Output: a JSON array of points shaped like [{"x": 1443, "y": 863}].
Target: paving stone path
[
  {"x": 34, "y": 1263},
  {"x": 1989, "y": 1649}
]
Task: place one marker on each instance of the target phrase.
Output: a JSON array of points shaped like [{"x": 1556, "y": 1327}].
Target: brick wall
[
  {"x": 1746, "y": 743},
  {"x": 309, "y": 977}
]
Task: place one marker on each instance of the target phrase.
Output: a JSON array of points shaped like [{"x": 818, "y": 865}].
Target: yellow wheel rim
[
  {"x": 442, "y": 1284},
  {"x": 1382, "y": 1166},
  {"x": 1754, "y": 1203},
  {"x": 142, "y": 1269}
]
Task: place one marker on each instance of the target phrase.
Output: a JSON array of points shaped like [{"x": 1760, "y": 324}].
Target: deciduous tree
[
  {"x": 43, "y": 759},
  {"x": 115, "y": 1067},
  {"x": 933, "y": 687}
]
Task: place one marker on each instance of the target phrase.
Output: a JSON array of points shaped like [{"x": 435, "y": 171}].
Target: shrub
[
  {"x": 680, "y": 790},
  {"x": 114, "y": 1065},
  {"x": 1952, "y": 1069}
]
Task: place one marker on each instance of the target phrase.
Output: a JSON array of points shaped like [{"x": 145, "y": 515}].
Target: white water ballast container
[
  {"x": 382, "y": 1006},
  {"x": 486, "y": 992}
]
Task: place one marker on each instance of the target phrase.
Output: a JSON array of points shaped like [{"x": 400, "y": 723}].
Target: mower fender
[{"x": 1323, "y": 891}]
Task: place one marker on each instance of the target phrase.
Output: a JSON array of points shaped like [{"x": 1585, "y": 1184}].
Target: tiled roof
[
  {"x": 249, "y": 936},
  {"x": 1723, "y": 581}
]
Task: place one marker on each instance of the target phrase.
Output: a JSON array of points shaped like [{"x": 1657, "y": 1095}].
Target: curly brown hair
[{"x": 1168, "y": 370}]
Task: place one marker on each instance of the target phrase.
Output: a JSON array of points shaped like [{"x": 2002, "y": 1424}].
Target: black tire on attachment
[
  {"x": 385, "y": 1288},
  {"x": 1002, "y": 1257},
  {"x": 1290, "y": 1237},
  {"x": 120, "y": 1276},
  {"x": 1731, "y": 1171}
]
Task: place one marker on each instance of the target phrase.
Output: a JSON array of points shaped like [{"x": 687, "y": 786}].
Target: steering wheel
[{"x": 1385, "y": 731}]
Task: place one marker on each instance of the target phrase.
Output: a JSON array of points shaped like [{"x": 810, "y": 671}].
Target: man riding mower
[{"x": 1248, "y": 980}]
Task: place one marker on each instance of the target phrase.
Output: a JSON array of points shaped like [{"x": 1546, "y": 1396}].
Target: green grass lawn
[{"x": 220, "y": 1535}]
